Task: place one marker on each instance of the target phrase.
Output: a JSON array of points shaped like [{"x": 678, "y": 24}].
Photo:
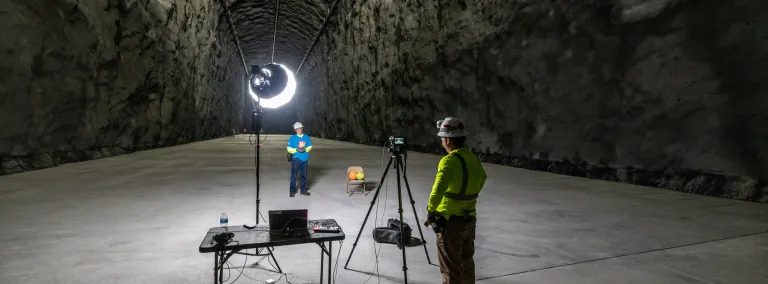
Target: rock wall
[
  {"x": 88, "y": 79},
  {"x": 671, "y": 94}
]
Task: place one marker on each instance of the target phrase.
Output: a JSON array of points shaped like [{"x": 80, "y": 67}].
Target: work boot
[
  {"x": 293, "y": 194},
  {"x": 305, "y": 193}
]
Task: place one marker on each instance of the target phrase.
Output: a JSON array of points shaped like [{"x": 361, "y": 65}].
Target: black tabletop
[{"x": 260, "y": 237}]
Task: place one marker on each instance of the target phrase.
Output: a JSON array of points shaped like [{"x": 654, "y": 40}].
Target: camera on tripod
[{"x": 397, "y": 145}]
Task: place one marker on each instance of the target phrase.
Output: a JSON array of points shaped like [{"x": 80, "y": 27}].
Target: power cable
[
  {"x": 227, "y": 271},
  {"x": 281, "y": 274},
  {"x": 384, "y": 212},
  {"x": 274, "y": 33},
  {"x": 338, "y": 257},
  {"x": 241, "y": 271}
]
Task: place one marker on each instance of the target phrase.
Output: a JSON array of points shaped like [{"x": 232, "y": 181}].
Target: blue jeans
[{"x": 298, "y": 167}]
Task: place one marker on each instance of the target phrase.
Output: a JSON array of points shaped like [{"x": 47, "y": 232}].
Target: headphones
[{"x": 223, "y": 238}]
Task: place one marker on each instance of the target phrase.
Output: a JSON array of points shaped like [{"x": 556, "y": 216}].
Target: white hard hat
[
  {"x": 297, "y": 125},
  {"x": 450, "y": 127}
]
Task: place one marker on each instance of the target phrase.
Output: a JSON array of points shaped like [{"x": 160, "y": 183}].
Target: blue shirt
[{"x": 293, "y": 146}]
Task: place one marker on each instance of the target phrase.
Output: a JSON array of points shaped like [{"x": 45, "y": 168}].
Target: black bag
[
  {"x": 395, "y": 224},
  {"x": 393, "y": 234},
  {"x": 290, "y": 157},
  {"x": 387, "y": 235}
]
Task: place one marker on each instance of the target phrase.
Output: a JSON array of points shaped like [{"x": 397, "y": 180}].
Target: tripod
[
  {"x": 399, "y": 166},
  {"x": 256, "y": 125}
]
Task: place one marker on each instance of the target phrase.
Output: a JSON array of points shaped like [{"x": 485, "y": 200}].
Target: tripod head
[{"x": 397, "y": 145}]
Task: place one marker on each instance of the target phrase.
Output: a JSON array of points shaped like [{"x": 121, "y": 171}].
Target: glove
[{"x": 431, "y": 217}]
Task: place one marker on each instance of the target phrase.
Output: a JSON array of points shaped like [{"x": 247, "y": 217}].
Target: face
[
  {"x": 299, "y": 130},
  {"x": 446, "y": 144}
]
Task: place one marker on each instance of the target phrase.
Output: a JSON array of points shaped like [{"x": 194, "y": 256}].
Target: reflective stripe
[
  {"x": 462, "y": 195},
  {"x": 464, "y": 174}
]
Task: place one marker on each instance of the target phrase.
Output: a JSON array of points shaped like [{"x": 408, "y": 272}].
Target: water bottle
[{"x": 223, "y": 220}]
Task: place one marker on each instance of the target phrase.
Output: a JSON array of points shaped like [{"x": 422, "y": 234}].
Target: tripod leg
[
  {"x": 398, "y": 166},
  {"x": 418, "y": 223},
  {"x": 373, "y": 201}
]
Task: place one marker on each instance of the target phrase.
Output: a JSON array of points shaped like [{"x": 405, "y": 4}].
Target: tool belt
[{"x": 439, "y": 223}]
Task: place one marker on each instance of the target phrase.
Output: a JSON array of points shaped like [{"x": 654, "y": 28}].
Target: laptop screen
[{"x": 281, "y": 221}]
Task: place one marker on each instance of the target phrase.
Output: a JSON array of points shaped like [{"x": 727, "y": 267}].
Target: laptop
[{"x": 288, "y": 221}]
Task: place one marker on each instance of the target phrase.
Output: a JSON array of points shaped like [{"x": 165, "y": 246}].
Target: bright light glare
[{"x": 284, "y": 97}]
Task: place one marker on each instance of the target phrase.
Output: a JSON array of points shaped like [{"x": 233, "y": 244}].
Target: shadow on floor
[
  {"x": 370, "y": 187},
  {"x": 375, "y": 275},
  {"x": 315, "y": 171}
]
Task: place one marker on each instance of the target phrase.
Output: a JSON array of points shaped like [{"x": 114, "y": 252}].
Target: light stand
[
  {"x": 256, "y": 126},
  {"x": 399, "y": 166},
  {"x": 256, "y": 120}
]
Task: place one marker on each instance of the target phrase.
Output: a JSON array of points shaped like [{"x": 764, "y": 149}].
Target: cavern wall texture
[
  {"x": 87, "y": 79},
  {"x": 671, "y": 94}
]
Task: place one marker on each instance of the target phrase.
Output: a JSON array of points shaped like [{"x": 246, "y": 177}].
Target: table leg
[
  {"x": 322, "y": 262},
  {"x": 221, "y": 267},
  {"x": 330, "y": 262},
  {"x": 216, "y": 267}
]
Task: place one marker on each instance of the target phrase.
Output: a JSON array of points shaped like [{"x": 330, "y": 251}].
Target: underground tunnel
[{"x": 656, "y": 97}]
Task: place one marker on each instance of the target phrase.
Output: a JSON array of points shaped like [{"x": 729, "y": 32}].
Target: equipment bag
[
  {"x": 405, "y": 228},
  {"x": 290, "y": 157},
  {"x": 393, "y": 233},
  {"x": 387, "y": 235}
]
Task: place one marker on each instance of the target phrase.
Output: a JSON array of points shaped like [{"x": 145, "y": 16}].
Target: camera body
[{"x": 397, "y": 145}]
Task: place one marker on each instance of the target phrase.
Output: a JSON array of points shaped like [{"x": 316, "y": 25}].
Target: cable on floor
[
  {"x": 377, "y": 251},
  {"x": 241, "y": 271},
  {"x": 338, "y": 256}
]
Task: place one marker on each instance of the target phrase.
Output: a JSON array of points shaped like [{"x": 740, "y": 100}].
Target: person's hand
[{"x": 431, "y": 217}]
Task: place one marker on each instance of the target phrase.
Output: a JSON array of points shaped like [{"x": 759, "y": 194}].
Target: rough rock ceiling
[
  {"x": 300, "y": 20},
  {"x": 297, "y": 24}
]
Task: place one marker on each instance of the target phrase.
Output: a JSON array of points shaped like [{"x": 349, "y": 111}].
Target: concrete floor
[{"x": 140, "y": 218}]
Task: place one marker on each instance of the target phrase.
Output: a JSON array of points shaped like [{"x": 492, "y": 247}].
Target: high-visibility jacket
[
  {"x": 293, "y": 146},
  {"x": 460, "y": 178}
]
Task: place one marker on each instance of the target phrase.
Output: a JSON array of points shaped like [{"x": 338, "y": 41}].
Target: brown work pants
[{"x": 456, "y": 250}]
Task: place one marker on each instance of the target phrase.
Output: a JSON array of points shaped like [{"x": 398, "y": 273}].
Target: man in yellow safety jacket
[{"x": 451, "y": 210}]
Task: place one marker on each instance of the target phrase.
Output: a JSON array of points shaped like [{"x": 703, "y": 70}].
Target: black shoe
[
  {"x": 293, "y": 194},
  {"x": 306, "y": 193}
]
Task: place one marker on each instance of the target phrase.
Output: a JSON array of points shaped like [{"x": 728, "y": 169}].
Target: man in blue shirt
[{"x": 299, "y": 146}]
